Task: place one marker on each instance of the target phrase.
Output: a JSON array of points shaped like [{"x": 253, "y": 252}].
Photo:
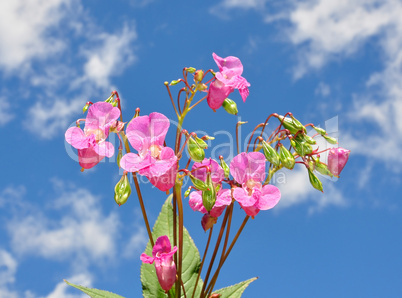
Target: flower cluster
[{"x": 217, "y": 186}]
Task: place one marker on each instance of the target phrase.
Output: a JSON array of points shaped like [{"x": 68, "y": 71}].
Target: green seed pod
[
  {"x": 330, "y": 140},
  {"x": 289, "y": 124},
  {"x": 298, "y": 124},
  {"x": 122, "y": 190},
  {"x": 199, "y": 74},
  {"x": 199, "y": 184},
  {"x": 301, "y": 147},
  {"x": 270, "y": 154},
  {"x": 230, "y": 106},
  {"x": 315, "y": 182},
  {"x": 201, "y": 143},
  {"x": 209, "y": 196},
  {"x": 323, "y": 169},
  {"x": 309, "y": 140},
  {"x": 187, "y": 192},
  {"x": 286, "y": 158},
  {"x": 190, "y": 69},
  {"x": 119, "y": 156},
  {"x": 196, "y": 153},
  {"x": 320, "y": 131},
  {"x": 174, "y": 82}
]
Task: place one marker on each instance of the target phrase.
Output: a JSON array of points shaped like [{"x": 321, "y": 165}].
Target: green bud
[
  {"x": 301, "y": 147},
  {"x": 230, "y": 106},
  {"x": 119, "y": 156},
  {"x": 187, "y": 192},
  {"x": 198, "y": 75},
  {"x": 289, "y": 124},
  {"x": 195, "y": 151},
  {"x": 315, "y": 182},
  {"x": 122, "y": 190},
  {"x": 286, "y": 158},
  {"x": 114, "y": 103},
  {"x": 201, "y": 143},
  {"x": 298, "y": 124},
  {"x": 224, "y": 166},
  {"x": 320, "y": 131},
  {"x": 199, "y": 184},
  {"x": 330, "y": 140},
  {"x": 190, "y": 69},
  {"x": 270, "y": 154},
  {"x": 174, "y": 82},
  {"x": 85, "y": 108},
  {"x": 309, "y": 139}
]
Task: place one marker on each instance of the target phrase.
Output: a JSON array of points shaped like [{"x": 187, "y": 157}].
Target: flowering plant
[{"x": 217, "y": 186}]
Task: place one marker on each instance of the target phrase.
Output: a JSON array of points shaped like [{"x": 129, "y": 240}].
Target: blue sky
[{"x": 337, "y": 64}]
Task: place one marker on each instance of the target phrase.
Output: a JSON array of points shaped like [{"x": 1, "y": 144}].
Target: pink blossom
[
  {"x": 223, "y": 199},
  {"x": 158, "y": 163},
  {"x": 90, "y": 142},
  {"x": 199, "y": 170},
  {"x": 162, "y": 254},
  {"x": 248, "y": 169},
  {"x": 226, "y": 80},
  {"x": 337, "y": 159}
]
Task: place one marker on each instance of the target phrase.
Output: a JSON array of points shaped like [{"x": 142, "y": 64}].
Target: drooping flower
[
  {"x": 248, "y": 169},
  {"x": 226, "y": 80},
  {"x": 91, "y": 142},
  {"x": 162, "y": 255},
  {"x": 158, "y": 163},
  {"x": 337, "y": 159}
]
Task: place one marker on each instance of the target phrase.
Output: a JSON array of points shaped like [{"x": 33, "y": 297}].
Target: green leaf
[
  {"x": 235, "y": 290},
  {"x": 191, "y": 257},
  {"x": 94, "y": 293}
]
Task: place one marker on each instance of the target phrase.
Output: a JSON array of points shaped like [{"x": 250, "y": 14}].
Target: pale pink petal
[
  {"x": 217, "y": 173},
  {"x": 270, "y": 196},
  {"x": 217, "y": 93},
  {"x": 146, "y": 259},
  {"x": 223, "y": 198},
  {"x": 195, "y": 202},
  {"x": 101, "y": 115},
  {"x": 241, "y": 196},
  {"x": 244, "y": 93},
  {"x": 232, "y": 63},
  {"x": 104, "y": 149},
  {"x": 76, "y": 138},
  {"x": 246, "y": 166},
  {"x": 133, "y": 162},
  {"x": 88, "y": 158}
]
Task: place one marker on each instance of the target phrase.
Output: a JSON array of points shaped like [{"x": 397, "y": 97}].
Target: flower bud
[
  {"x": 119, "y": 156},
  {"x": 208, "y": 221},
  {"x": 315, "y": 182},
  {"x": 85, "y": 108},
  {"x": 286, "y": 158},
  {"x": 301, "y": 147},
  {"x": 174, "y": 82},
  {"x": 224, "y": 166},
  {"x": 270, "y": 154},
  {"x": 196, "y": 153},
  {"x": 202, "y": 87},
  {"x": 322, "y": 169},
  {"x": 209, "y": 195},
  {"x": 122, "y": 190},
  {"x": 199, "y": 74},
  {"x": 187, "y": 192},
  {"x": 337, "y": 159},
  {"x": 191, "y": 69},
  {"x": 201, "y": 143},
  {"x": 230, "y": 106},
  {"x": 298, "y": 124}
]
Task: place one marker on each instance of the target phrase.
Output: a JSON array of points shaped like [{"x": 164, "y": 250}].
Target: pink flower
[
  {"x": 217, "y": 173},
  {"x": 337, "y": 159},
  {"x": 90, "y": 142},
  {"x": 226, "y": 80},
  {"x": 223, "y": 199},
  {"x": 162, "y": 254},
  {"x": 248, "y": 169},
  {"x": 158, "y": 163}
]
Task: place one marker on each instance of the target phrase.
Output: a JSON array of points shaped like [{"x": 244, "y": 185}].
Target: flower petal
[
  {"x": 101, "y": 115},
  {"x": 243, "y": 198},
  {"x": 162, "y": 245},
  {"x": 76, "y": 138},
  {"x": 217, "y": 93},
  {"x": 270, "y": 196},
  {"x": 147, "y": 259},
  {"x": 195, "y": 202},
  {"x": 246, "y": 166},
  {"x": 217, "y": 173},
  {"x": 88, "y": 158},
  {"x": 251, "y": 211},
  {"x": 104, "y": 149},
  {"x": 231, "y": 63},
  {"x": 132, "y": 162}
]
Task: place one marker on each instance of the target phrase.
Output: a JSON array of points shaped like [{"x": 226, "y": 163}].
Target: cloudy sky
[{"x": 337, "y": 64}]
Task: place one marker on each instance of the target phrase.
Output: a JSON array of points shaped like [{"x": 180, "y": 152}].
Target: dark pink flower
[
  {"x": 158, "y": 163},
  {"x": 162, "y": 255},
  {"x": 226, "y": 81},
  {"x": 248, "y": 169},
  {"x": 337, "y": 159},
  {"x": 91, "y": 142}
]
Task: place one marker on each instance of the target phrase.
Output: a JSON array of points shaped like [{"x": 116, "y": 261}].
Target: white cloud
[
  {"x": 25, "y": 31},
  {"x": 243, "y": 3},
  {"x": 323, "y": 89},
  {"x": 81, "y": 232},
  {"x": 136, "y": 244},
  {"x": 6, "y": 115},
  {"x": 8, "y": 269}
]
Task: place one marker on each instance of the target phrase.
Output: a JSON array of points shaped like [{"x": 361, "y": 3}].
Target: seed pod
[
  {"x": 230, "y": 106},
  {"x": 289, "y": 124},
  {"x": 122, "y": 190},
  {"x": 330, "y": 140},
  {"x": 224, "y": 166},
  {"x": 270, "y": 154},
  {"x": 199, "y": 184},
  {"x": 209, "y": 195},
  {"x": 320, "y": 131},
  {"x": 286, "y": 158},
  {"x": 315, "y": 182},
  {"x": 195, "y": 151}
]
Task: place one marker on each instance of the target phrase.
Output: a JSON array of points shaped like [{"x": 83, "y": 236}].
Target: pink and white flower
[
  {"x": 226, "y": 80},
  {"x": 91, "y": 142},
  {"x": 337, "y": 159},
  {"x": 248, "y": 169},
  {"x": 158, "y": 163},
  {"x": 162, "y": 255}
]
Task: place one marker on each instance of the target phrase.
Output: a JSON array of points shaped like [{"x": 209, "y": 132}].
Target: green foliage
[
  {"x": 235, "y": 290},
  {"x": 191, "y": 257},
  {"x": 94, "y": 293}
]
